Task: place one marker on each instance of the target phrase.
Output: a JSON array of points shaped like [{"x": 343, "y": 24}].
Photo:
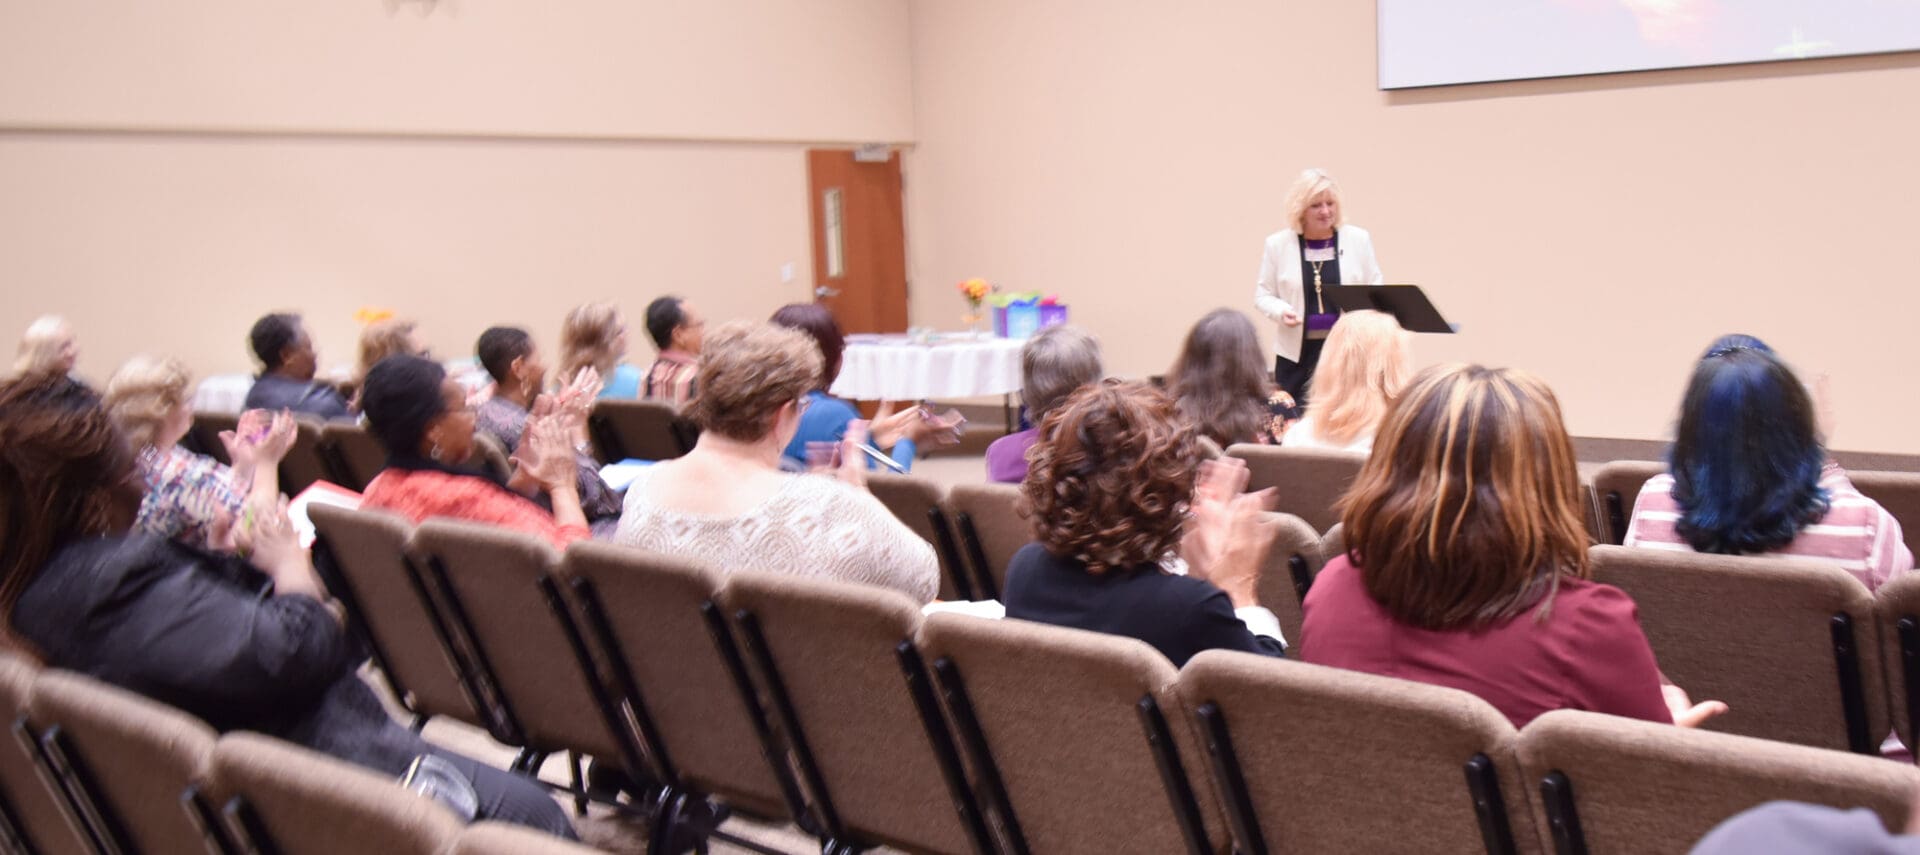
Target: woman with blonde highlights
[
  {"x": 1317, "y": 249},
  {"x": 1114, "y": 496},
  {"x": 191, "y": 497},
  {"x": 1365, "y": 367},
  {"x": 595, "y": 336},
  {"x": 1467, "y": 561}
]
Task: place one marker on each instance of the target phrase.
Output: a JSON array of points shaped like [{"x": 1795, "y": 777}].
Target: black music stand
[{"x": 1406, "y": 303}]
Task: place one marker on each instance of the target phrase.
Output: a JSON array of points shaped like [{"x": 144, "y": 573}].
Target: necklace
[{"x": 1317, "y": 299}]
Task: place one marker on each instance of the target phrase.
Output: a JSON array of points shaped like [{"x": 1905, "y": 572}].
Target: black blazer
[
  {"x": 1179, "y": 616},
  {"x": 195, "y": 631}
]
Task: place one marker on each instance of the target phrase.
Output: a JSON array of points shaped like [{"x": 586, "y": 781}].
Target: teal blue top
[{"x": 826, "y": 420}]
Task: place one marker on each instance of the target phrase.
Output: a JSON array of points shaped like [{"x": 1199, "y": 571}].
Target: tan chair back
[
  {"x": 389, "y": 599},
  {"x": 134, "y": 763},
  {"x": 1897, "y": 611},
  {"x": 1295, "y": 558},
  {"x": 992, "y": 528},
  {"x": 1307, "y": 481},
  {"x": 918, "y": 503},
  {"x": 31, "y": 797},
  {"x": 489, "y": 453},
  {"x": 1307, "y": 757},
  {"x": 1789, "y": 644},
  {"x": 502, "y": 594},
  {"x": 850, "y": 691},
  {"x": 652, "y": 615},
  {"x": 1616, "y": 486},
  {"x": 1078, "y": 737},
  {"x": 643, "y": 430},
  {"x": 206, "y": 431},
  {"x": 293, "y": 801},
  {"x": 1623, "y": 785},
  {"x": 306, "y": 462},
  {"x": 1899, "y": 493},
  {"x": 358, "y": 454}
]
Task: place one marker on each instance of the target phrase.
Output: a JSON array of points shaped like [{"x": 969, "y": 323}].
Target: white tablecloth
[
  {"x": 893, "y": 368},
  {"x": 222, "y": 393}
]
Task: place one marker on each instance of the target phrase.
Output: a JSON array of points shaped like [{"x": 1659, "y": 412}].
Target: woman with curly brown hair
[
  {"x": 1467, "y": 561},
  {"x": 1114, "y": 495}
]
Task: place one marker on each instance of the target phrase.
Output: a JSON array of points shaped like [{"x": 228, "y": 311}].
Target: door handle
[{"x": 824, "y": 292}]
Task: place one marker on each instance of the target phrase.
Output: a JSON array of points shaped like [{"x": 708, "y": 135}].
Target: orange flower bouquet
[{"x": 975, "y": 290}]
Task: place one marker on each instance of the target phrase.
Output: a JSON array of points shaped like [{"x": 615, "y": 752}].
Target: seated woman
[
  {"x": 1221, "y": 383},
  {"x": 728, "y": 502},
  {"x": 1467, "y": 561},
  {"x": 899, "y": 434},
  {"x": 1113, "y": 492},
  {"x": 1365, "y": 365},
  {"x": 379, "y": 340},
  {"x": 1748, "y": 475},
  {"x": 595, "y": 336},
  {"x": 245, "y": 645},
  {"x": 48, "y": 347},
  {"x": 423, "y": 420},
  {"x": 190, "y": 497},
  {"x": 509, "y": 356},
  {"x": 1055, "y": 363}
]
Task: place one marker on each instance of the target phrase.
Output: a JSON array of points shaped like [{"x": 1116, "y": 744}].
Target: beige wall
[
  {"x": 169, "y": 171},
  {"x": 1132, "y": 155}
]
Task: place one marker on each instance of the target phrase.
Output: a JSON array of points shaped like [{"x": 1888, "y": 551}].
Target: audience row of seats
[
  {"x": 340, "y": 452},
  {"x": 1616, "y": 485},
  {"x": 94, "y": 768},
  {"x": 839, "y": 708}
]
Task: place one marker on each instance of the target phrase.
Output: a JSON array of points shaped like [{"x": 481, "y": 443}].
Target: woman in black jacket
[
  {"x": 245, "y": 645},
  {"x": 1117, "y": 493}
]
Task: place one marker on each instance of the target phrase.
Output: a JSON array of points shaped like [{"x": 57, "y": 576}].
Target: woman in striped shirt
[{"x": 1748, "y": 474}]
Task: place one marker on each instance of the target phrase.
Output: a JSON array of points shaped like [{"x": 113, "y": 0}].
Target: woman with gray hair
[{"x": 1053, "y": 364}]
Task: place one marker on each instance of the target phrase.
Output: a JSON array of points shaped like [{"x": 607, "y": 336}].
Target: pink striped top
[{"x": 1856, "y": 533}]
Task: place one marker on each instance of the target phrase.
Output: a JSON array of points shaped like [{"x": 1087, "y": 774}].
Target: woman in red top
[
  {"x": 1467, "y": 562},
  {"x": 423, "y": 419}
]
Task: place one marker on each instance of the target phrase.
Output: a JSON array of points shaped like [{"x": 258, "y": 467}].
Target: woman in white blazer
[{"x": 1317, "y": 248}]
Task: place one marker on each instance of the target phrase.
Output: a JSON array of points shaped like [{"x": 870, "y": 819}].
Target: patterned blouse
[
  {"x": 673, "y": 378},
  {"x": 186, "y": 493},
  {"x": 812, "y": 526}
]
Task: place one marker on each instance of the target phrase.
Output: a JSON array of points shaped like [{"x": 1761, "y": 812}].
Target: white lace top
[{"x": 812, "y": 526}]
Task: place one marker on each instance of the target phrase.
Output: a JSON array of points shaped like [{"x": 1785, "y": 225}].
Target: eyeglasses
[{"x": 801, "y": 404}]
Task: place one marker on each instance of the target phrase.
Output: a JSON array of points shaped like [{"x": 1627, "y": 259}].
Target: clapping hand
[
  {"x": 853, "y": 461},
  {"x": 546, "y": 449},
  {"x": 260, "y": 439},
  {"x": 1227, "y": 538}
]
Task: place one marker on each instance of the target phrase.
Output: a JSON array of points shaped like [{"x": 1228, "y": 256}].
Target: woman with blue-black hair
[{"x": 1749, "y": 474}]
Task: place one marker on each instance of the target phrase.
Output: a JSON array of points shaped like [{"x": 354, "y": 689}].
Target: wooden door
[{"x": 859, "y": 240}]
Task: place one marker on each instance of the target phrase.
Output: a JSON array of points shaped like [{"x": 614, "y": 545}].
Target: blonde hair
[
  {"x": 1312, "y": 182},
  {"x": 1468, "y": 511},
  {"x": 1362, "y": 370},
  {"x": 748, "y": 370},
  {"x": 382, "y": 339},
  {"x": 587, "y": 337},
  {"x": 43, "y": 345},
  {"x": 144, "y": 394}
]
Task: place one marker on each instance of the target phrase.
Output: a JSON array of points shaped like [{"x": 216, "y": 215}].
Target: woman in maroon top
[{"x": 1467, "y": 562}]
